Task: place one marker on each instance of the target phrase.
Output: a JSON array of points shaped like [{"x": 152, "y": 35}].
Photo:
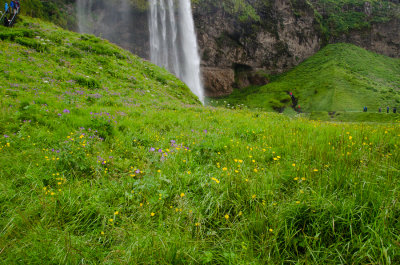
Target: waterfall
[
  {"x": 173, "y": 42},
  {"x": 84, "y": 16}
]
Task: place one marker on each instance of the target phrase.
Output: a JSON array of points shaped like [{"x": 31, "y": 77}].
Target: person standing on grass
[
  {"x": 394, "y": 110},
  {"x": 380, "y": 110},
  {"x": 6, "y": 8},
  {"x": 387, "y": 109}
]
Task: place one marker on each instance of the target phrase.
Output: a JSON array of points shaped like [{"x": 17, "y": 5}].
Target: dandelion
[
  {"x": 116, "y": 213},
  {"x": 296, "y": 178},
  {"x": 303, "y": 178},
  {"x": 315, "y": 170},
  {"x": 254, "y": 196},
  {"x": 224, "y": 169},
  {"x": 350, "y": 137},
  {"x": 240, "y": 213},
  {"x": 152, "y": 214},
  {"x": 271, "y": 230},
  {"x": 226, "y": 216},
  {"x": 297, "y": 202},
  {"x": 293, "y": 165},
  {"x": 102, "y": 232},
  {"x": 255, "y": 170},
  {"x": 182, "y": 194},
  {"x": 111, "y": 220},
  {"x": 197, "y": 224}
]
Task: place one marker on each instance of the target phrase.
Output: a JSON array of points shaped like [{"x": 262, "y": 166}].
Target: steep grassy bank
[
  {"x": 340, "y": 77},
  {"x": 106, "y": 159}
]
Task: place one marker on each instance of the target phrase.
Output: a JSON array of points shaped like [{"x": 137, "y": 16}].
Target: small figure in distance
[
  {"x": 12, "y": 7},
  {"x": 394, "y": 110},
  {"x": 387, "y": 109},
  {"x": 380, "y": 110}
]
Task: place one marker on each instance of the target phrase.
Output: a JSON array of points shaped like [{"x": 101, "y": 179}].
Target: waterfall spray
[{"x": 173, "y": 42}]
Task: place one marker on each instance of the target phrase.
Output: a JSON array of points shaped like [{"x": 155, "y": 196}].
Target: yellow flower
[
  {"x": 350, "y": 137},
  {"x": 226, "y": 216},
  {"x": 216, "y": 180},
  {"x": 293, "y": 165},
  {"x": 254, "y": 196},
  {"x": 116, "y": 213},
  {"x": 224, "y": 169},
  {"x": 111, "y": 220},
  {"x": 271, "y": 230},
  {"x": 240, "y": 213},
  {"x": 303, "y": 178},
  {"x": 315, "y": 170},
  {"x": 297, "y": 202},
  {"x": 255, "y": 170},
  {"x": 296, "y": 178},
  {"x": 197, "y": 224},
  {"x": 102, "y": 232},
  {"x": 182, "y": 194},
  {"x": 152, "y": 214}
]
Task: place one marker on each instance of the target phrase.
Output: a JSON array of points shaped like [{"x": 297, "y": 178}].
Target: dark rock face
[
  {"x": 383, "y": 38},
  {"x": 279, "y": 41}
]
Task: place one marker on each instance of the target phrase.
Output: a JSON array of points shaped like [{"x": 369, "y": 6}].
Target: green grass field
[
  {"x": 340, "y": 77},
  {"x": 107, "y": 159}
]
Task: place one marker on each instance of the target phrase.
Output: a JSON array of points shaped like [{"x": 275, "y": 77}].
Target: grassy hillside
[
  {"x": 340, "y": 77},
  {"x": 106, "y": 159}
]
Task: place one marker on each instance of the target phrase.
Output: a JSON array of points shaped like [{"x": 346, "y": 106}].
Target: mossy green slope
[
  {"x": 106, "y": 159},
  {"x": 41, "y": 58},
  {"x": 340, "y": 77}
]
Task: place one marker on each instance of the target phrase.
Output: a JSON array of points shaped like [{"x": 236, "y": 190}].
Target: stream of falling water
[{"x": 173, "y": 42}]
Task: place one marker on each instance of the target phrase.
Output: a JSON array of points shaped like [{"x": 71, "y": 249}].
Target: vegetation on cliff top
[
  {"x": 106, "y": 159},
  {"x": 338, "y": 17},
  {"x": 340, "y": 77}
]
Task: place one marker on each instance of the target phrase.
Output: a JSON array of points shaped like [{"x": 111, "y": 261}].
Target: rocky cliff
[{"x": 238, "y": 53}]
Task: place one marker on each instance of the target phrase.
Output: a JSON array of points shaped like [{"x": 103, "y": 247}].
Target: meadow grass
[{"x": 122, "y": 165}]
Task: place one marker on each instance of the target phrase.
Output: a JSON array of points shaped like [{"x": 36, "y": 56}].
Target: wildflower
[
  {"x": 66, "y": 111},
  {"x": 297, "y": 202},
  {"x": 152, "y": 149},
  {"x": 254, "y": 196},
  {"x": 296, "y": 178},
  {"x": 116, "y": 213},
  {"x": 293, "y": 165},
  {"x": 182, "y": 194},
  {"x": 226, "y": 216},
  {"x": 197, "y": 224},
  {"x": 350, "y": 137},
  {"x": 224, "y": 169},
  {"x": 216, "y": 180},
  {"x": 303, "y": 178},
  {"x": 255, "y": 170},
  {"x": 240, "y": 213},
  {"x": 271, "y": 230},
  {"x": 315, "y": 170},
  {"x": 152, "y": 214},
  {"x": 102, "y": 232},
  {"x": 111, "y": 220}
]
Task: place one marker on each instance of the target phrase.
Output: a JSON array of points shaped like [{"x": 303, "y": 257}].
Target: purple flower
[
  {"x": 160, "y": 150},
  {"x": 66, "y": 111},
  {"x": 137, "y": 171},
  {"x": 152, "y": 149},
  {"x": 205, "y": 131},
  {"x": 6, "y": 136}
]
